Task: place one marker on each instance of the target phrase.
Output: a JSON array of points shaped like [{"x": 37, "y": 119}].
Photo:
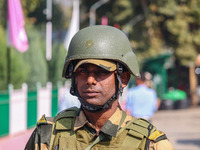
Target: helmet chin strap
[{"x": 107, "y": 105}]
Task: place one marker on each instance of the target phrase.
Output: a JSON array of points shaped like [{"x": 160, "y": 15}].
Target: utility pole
[
  {"x": 48, "y": 13},
  {"x": 93, "y": 9}
]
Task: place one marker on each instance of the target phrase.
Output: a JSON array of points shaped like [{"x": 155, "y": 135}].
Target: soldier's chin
[{"x": 92, "y": 101}]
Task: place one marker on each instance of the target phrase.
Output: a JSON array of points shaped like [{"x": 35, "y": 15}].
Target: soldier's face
[{"x": 95, "y": 84}]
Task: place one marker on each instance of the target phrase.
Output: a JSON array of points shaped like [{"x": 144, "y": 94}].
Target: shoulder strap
[
  {"x": 141, "y": 126},
  {"x": 157, "y": 136},
  {"x": 122, "y": 119},
  {"x": 41, "y": 135},
  {"x": 64, "y": 121},
  {"x": 138, "y": 131},
  {"x": 67, "y": 113},
  {"x": 153, "y": 134},
  {"x": 145, "y": 132}
]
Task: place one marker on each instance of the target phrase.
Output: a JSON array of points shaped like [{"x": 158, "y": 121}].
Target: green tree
[
  {"x": 3, "y": 62},
  {"x": 55, "y": 65},
  {"x": 19, "y": 69},
  {"x": 39, "y": 17},
  {"x": 180, "y": 26},
  {"x": 156, "y": 26},
  {"x": 35, "y": 58},
  {"x": 133, "y": 18}
]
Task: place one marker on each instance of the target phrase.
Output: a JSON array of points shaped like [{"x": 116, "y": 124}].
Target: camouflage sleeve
[
  {"x": 40, "y": 138},
  {"x": 161, "y": 145}
]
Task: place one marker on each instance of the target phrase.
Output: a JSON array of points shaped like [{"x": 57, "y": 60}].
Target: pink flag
[{"x": 17, "y": 34}]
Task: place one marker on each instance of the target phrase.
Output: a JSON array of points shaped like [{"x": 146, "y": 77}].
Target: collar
[{"x": 110, "y": 127}]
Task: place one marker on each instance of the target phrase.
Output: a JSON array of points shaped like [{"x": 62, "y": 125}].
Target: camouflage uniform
[{"x": 83, "y": 134}]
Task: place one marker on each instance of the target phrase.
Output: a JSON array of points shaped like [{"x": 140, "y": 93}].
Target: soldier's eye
[
  {"x": 103, "y": 72},
  {"x": 83, "y": 71}
]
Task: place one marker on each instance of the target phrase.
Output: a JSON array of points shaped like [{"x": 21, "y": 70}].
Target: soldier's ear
[{"x": 125, "y": 77}]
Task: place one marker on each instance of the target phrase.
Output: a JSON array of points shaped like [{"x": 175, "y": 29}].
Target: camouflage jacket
[{"x": 40, "y": 138}]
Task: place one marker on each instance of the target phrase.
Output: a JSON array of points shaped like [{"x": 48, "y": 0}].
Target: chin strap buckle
[{"x": 119, "y": 68}]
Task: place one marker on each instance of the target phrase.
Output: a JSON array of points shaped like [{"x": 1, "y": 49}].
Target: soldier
[{"x": 99, "y": 62}]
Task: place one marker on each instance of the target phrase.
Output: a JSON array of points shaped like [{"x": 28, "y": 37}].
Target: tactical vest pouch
[
  {"x": 63, "y": 135},
  {"x": 135, "y": 134},
  {"x": 138, "y": 132},
  {"x": 135, "y": 140}
]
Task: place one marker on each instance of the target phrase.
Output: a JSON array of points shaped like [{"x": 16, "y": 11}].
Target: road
[
  {"x": 15, "y": 142},
  {"x": 181, "y": 126}
]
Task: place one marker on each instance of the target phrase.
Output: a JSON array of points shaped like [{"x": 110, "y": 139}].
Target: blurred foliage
[
  {"x": 35, "y": 58},
  {"x": 32, "y": 67},
  {"x": 3, "y": 13},
  {"x": 29, "y": 5},
  {"x": 39, "y": 17},
  {"x": 19, "y": 69},
  {"x": 152, "y": 26},
  {"x": 3, "y": 61},
  {"x": 55, "y": 65},
  {"x": 155, "y": 27},
  {"x": 132, "y": 18},
  {"x": 180, "y": 27}
]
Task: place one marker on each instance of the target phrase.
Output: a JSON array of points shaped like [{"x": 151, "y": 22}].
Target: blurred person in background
[
  {"x": 149, "y": 83},
  {"x": 67, "y": 100},
  {"x": 148, "y": 80},
  {"x": 142, "y": 100}
]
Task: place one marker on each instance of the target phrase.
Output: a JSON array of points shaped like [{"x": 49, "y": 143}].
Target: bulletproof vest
[{"x": 136, "y": 135}]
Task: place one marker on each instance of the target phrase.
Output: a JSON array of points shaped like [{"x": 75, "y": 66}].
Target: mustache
[{"x": 90, "y": 89}]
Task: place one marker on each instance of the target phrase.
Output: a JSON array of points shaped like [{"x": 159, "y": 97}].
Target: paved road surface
[
  {"x": 181, "y": 126},
  {"x": 15, "y": 142}
]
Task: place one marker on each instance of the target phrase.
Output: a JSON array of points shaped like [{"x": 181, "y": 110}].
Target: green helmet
[{"x": 101, "y": 42}]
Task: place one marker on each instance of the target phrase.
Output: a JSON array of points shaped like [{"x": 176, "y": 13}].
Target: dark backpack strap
[{"x": 150, "y": 128}]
